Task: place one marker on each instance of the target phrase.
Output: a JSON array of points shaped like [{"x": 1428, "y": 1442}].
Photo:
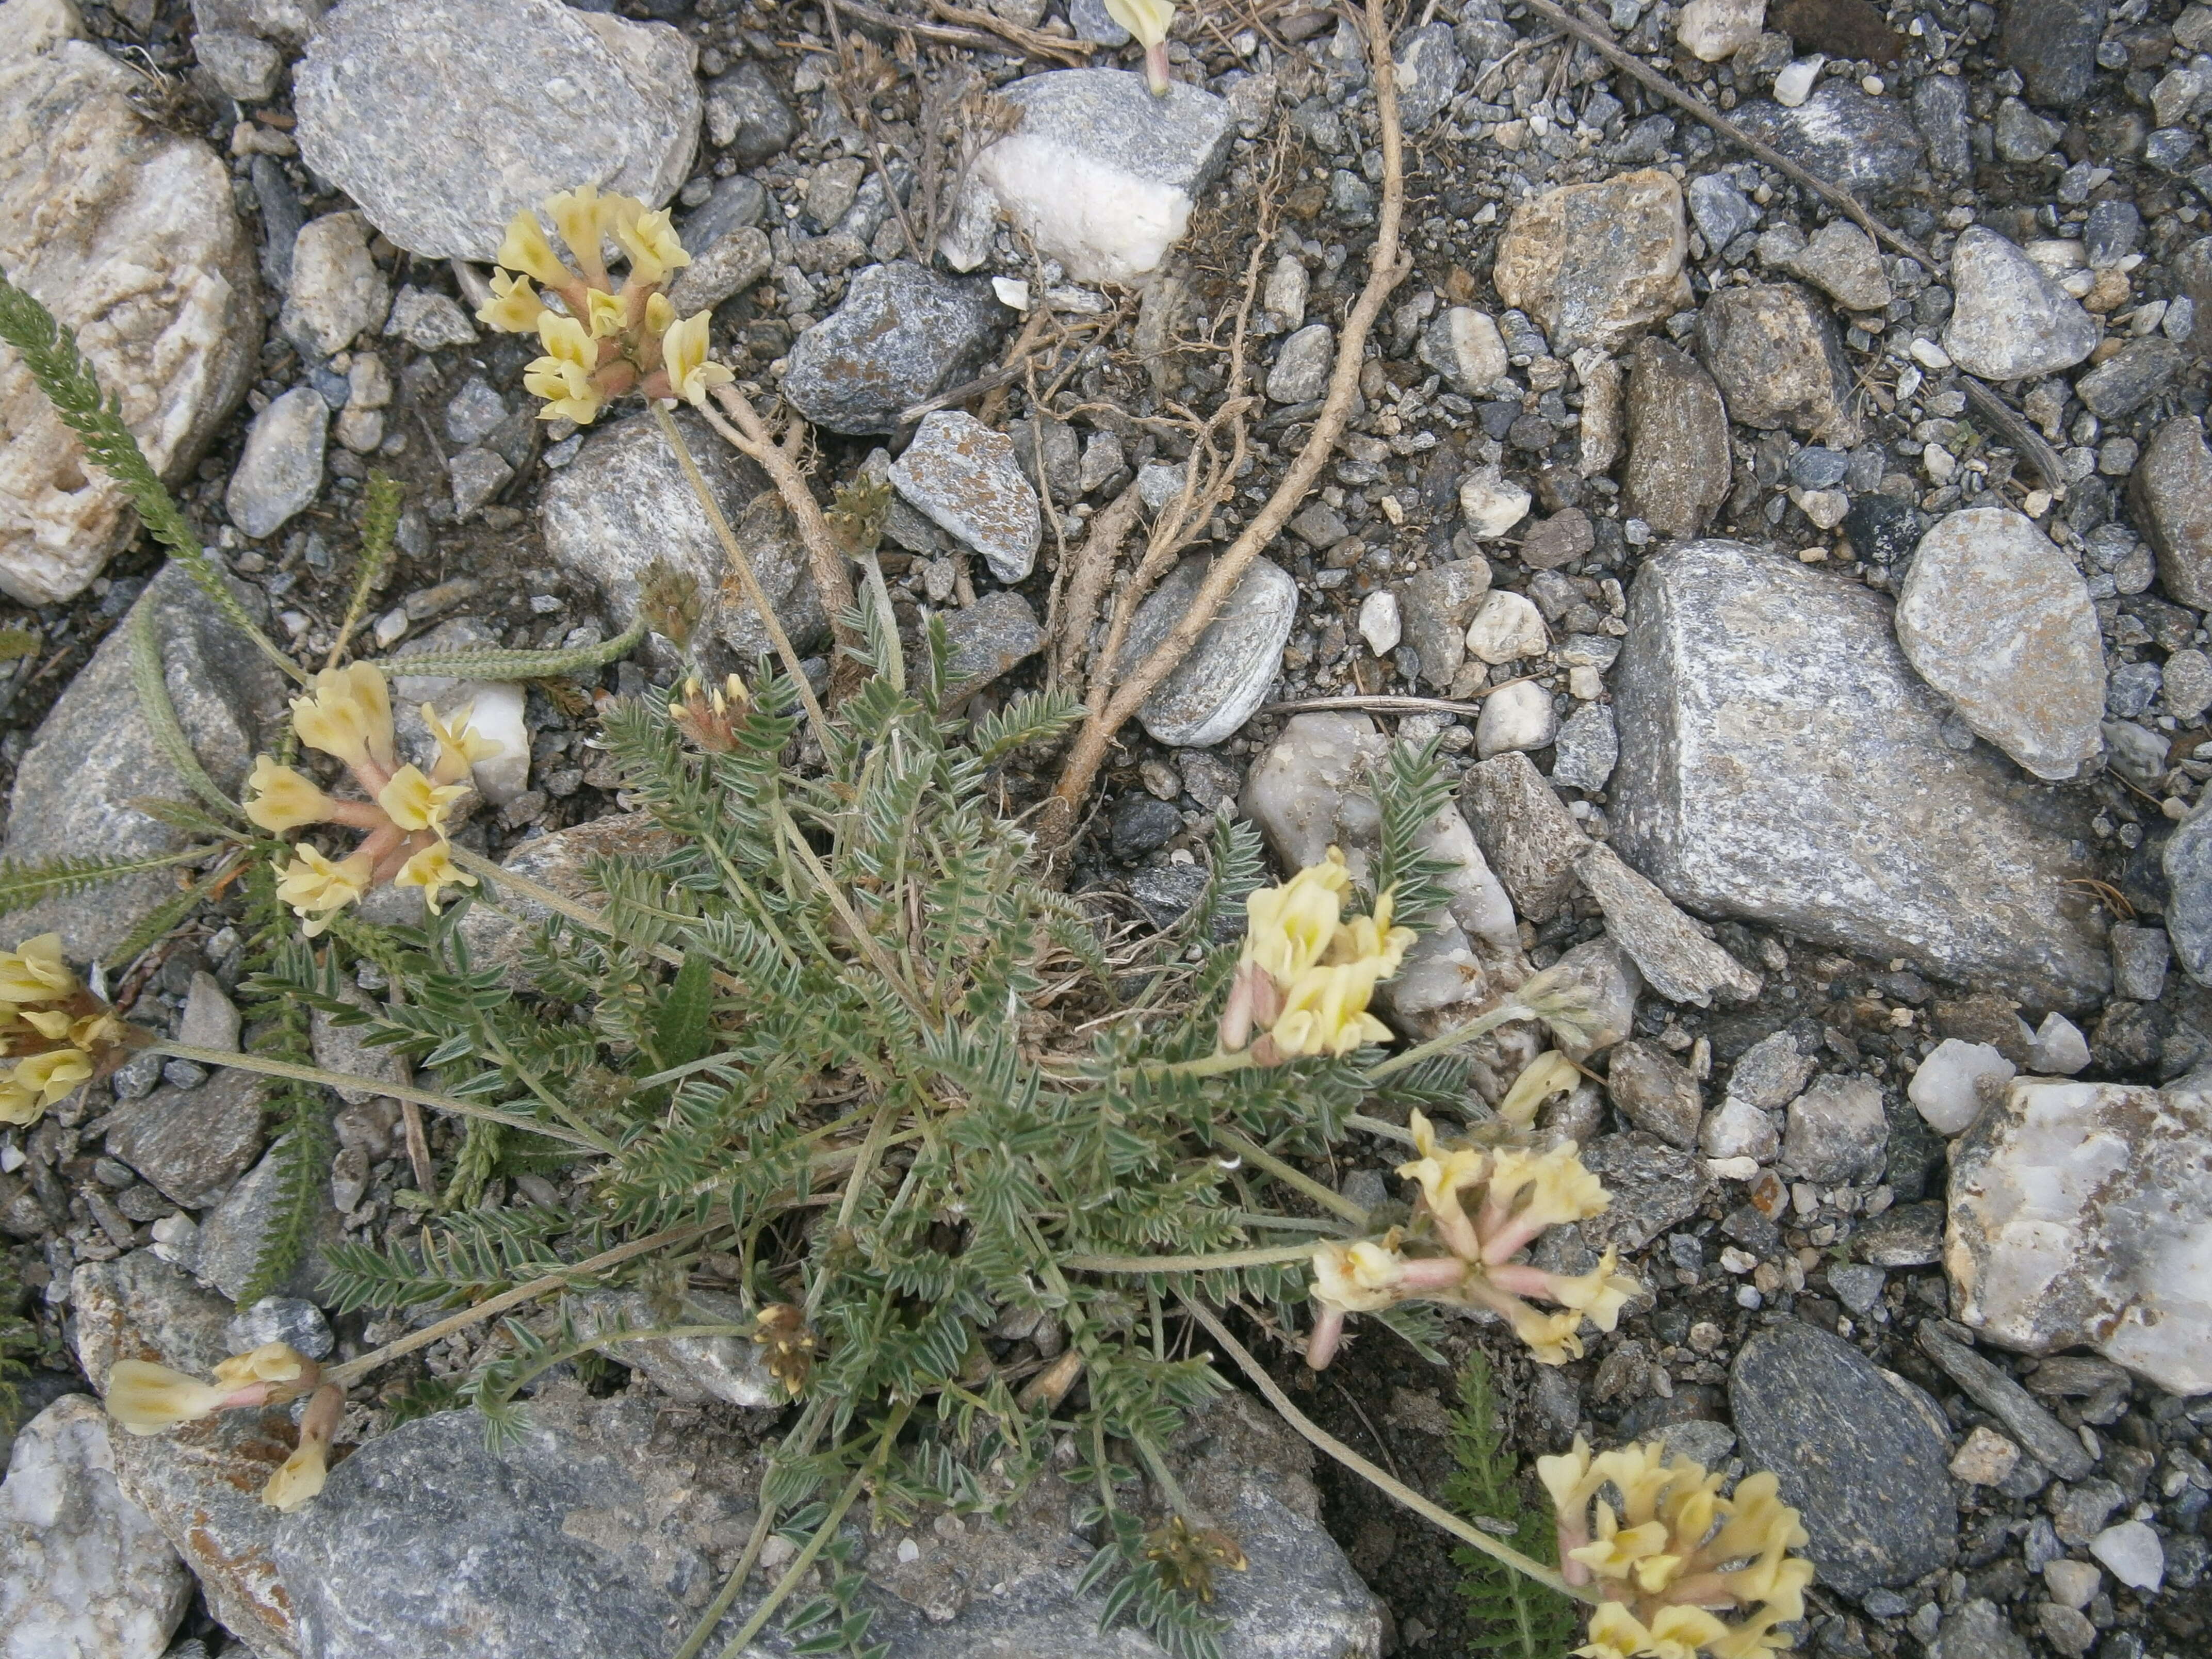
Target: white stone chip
[{"x": 2133, "y": 1552}]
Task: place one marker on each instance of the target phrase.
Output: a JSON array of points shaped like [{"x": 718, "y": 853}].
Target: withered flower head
[
  {"x": 780, "y": 1329},
  {"x": 1187, "y": 1555}
]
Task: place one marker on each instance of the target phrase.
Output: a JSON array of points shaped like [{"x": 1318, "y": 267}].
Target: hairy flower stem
[
  {"x": 1504, "y": 1013},
  {"x": 799, "y": 1444},
  {"x": 1360, "y": 1466},
  {"x": 1251, "y": 1150},
  {"x": 267, "y": 1067},
  {"x": 742, "y": 563},
  {"x": 822, "y": 1534},
  {"x": 863, "y": 1166},
  {"x": 1221, "y": 1262}
]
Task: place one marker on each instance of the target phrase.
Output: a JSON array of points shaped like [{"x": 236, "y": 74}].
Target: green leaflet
[{"x": 1513, "y": 1617}]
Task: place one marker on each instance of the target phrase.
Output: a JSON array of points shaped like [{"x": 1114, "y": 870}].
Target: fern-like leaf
[
  {"x": 517, "y": 664},
  {"x": 151, "y": 685},
  {"x": 380, "y": 525},
  {"x": 23, "y": 884},
  {"x": 1513, "y": 1616},
  {"x": 1410, "y": 792}
]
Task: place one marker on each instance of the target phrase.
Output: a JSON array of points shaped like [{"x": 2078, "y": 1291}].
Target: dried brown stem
[
  {"x": 1385, "y": 270},
  {"x": 1029, "y": 43},
  {"x": 1092, "y": 565}
]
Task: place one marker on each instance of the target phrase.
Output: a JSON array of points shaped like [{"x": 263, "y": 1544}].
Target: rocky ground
[{"x": 1857, "y": 602}]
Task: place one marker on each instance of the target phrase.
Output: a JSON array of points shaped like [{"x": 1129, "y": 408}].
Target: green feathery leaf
[
  {"x": 517, "y": 664},
  {"x": 1513, "y": 1617},
  {"x": 379, "y": 524},
  {"x": 147, "y": 679},
  {"x": 23, "y": 884}
]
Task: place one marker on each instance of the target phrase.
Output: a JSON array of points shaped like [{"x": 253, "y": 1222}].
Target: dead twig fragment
[{"x": 1029, "y": 43}]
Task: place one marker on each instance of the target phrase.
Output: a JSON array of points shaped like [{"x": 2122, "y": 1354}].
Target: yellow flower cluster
[
  {"x": 1148, "y": 20},
  {"x": 605, "y": 341},
  {"x": 1675, "y": 1554},
  {"x": 150, "y": 1398},
  {"x": 1514, "y": 1195},
  {"x": 348, "y": 716},
  {"x": 1306, "y": 976},
  {"x": 709, "y": 718},
  {"x": 59, "y": 1034}
]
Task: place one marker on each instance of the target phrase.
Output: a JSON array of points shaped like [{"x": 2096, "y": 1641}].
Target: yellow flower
[
  {"x": 146, "y": 1399},
  {"x": 348, "y": 716},
  {"x": 460, "y": 745},
  {"x": 1679, "y": 1632},
  {"x": 1757, "y": 1519},
  {"x": 1598, "y": 1295},
  {"x": 413, "y": 802},
  {"x": 525, "y": 249},
  {"x": 52, "y": 1023},
  {"x": 515, "y": 307},
  {"x": 1324, "y": 1013},
  {"x": 315, "y": 885},
  {"x": 1287, "y": 927},
  {"x": 54, "y": 1075},
  {"x": 1561, "y": 1189},
  {"x": 1569, "y": 1477},
  {"x": 1551, "y": 1338},
  {"x": 1756, "y": 1635},
  {"x": 690, "y": 372},
  {"x": 609, "y": 315},
  {"x": 651, "y": 242},
  {"x": 1614, "y": 1633},
  {"x": 1372, "y": 939},
  {"x": 1643, "y": 1472},
  {"x": 433, "y": 870},
  {"x": 302, "y": 1474},
  {"x": 583, "y": 217},
  {"x": 1357, "y": 1278},
  {"x": 659, "y": 315},
  {"x": 566, "y": 341},
  {"x": 281, "y": 799},
  {"x": 1550, "y": 1073},
  {"x": 567, "y": 389},
  {"x": 1442, "y": 1172},
  {"x": 1147, "y": 20},
  {"x": 35, "y": 971},
  {"x": 1633, "y": 1552},
  {"x": 272, "y": 1362}
]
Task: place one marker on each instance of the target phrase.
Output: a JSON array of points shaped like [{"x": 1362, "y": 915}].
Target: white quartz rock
[
  {"x": 1507, "y": 628},
  {"x": 1944, "y": 1088},
  {"x": 2080, "y": 1215}
]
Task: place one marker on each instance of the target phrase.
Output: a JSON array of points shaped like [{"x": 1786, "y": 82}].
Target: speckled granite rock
[
  {"x": 1594, "y": 263},
  {"x": 560, "y": 861},
  {"x": 1224, "y": 678},
  {"x": 902, "y": 334},
  {"x": 968, "y": 481}
]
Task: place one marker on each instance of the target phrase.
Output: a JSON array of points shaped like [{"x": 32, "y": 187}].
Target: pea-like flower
[
  {"x": 1148, "y": 20},
  {"x": 35, "y": 972},
  {"x": 149, "y": 1399},
  {"x": 348, "y": 714},
  {"x": 1306, "y": 974},
  {"x": 58, "y": 1035},
  {"x": 1677, "y": 1555},
  {"x": 300, "y": 1478},
  {"x": 1480, "y": 1207},
  {"x": 605, "y": 341}
]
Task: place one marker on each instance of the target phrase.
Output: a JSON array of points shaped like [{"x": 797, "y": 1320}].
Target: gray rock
[
  {"x": 1653, "y": 1187},
  {"x": 734, "y": 262},
  {"x": 1978, "y": 1629},
  {"x": 1593, "y": 264},
  {"x": 231, "y": 1235},
  {"x": 967, "y": 479},
  {"x": 1774, "y": 355},
  {"x": 1428, "y": 71},
  {"x": 624, "y": 502},
  {"x": 2008, "y": 320},
  {"x": 1939, "y": 111},
  {"x": 1771, "y": 1073},
  {"x": 1836, "y": 1131},
  {"x": 2053, "y": 44},
  {"x": 989, "y": 638},
  {"x": 1868, "y": 146},
  {"x": 738, "y": 201},
  {"x": 191, "y": 1143},
  {"x": 1842, "y": 261},
  {"x": 2041, "y": 1434},
  {"x": 282, "y": 469},
  {"x": 1735, "y": 1128},
  {"x": 1720, "y": 212},
  {"x": 297, "y": 1323},
  {"x": 1515, "y": 717},
  {"x": 1092, "y": 22},
  {"x": 1061, "y": 472},
  {"x": 476, "y": 475},
  {"x": 1610, "y": 986},
  {"x": 128, "y": 233},
  {"x": 286, "y": 22},
  {"x": 1526, "y": 833},
  {"x": 200, "y": 1483},
  {"x": 1863, "y": 1456},
  {"x": 83, "y": 1571},
  {"x": 2076, "y": 1214},
  {"x": 428, "y": 321},
  {"x": 1100, "y": 175},
  {"x": 2022, "y": 135},
  {"x": 1464, "y": 346},
  {"x": 2139, "y": 959},
  {"x": 1676, "y": 959},
  {"x": 562, "y": 861},
  {"x": 1857, "y": 1287},
  {"x": 210, "y": 1018},
  {"x": 391, "y": 97},
  {"x": 2172, "y": 495},
  {"x": 687, "y": 1369},
  {"x": 1587, "y": 749},
  {"x": 337, "y": 292},
  {"x": 1678, "y": 443},
  {"x": 1141, "y": 824},
  {"x": 1434, "y": 608},
  {"x": 2187, "y": 861},
  {"x": 474, "y": 412},
  {"x": 1999, "y": 620},
  {"x": 1226, "y": 676},
  {"x": 1656, "y": 1091},
  {"x": 901, "y": 335},
  {"x": 1301, "y": 365},
  {"x": 746, "y": 115},
  {"x": 1103, "y": 462},
  {"x": 244, "y": 68},
  {"x": 1780, "y": 761}
]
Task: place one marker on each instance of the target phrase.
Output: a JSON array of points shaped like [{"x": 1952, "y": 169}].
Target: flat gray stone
[
  {"x": 231, "y": 1237},
  {"x": 989, "y": 638},
  {"x": 392, "y": 97},
  {"x": 687, "y": 1369},
  {"x": 900, "y": 335},
  {"x": 2131, "y": 377},
  {"x": 1526, "y": 833},
  {"x": 1868, "y": 146},
  {"x": 562, "y": 861},
  {"x": 2010, "y": 320},
  {"x": 2053, "y": 44},
  {"x": 1678, "y": 469},
  {"x": 1835, "y": 1131},
  {"x": 1979, "y": 1629},
  {"x": 338, "y": 293},
  {"x": 624, "y": 502},
  {"x": 1300, "y": 373},
  {"x": 1771, "y": 1073},
  {"x": 1842, "y": 261},
  {"x": 1587, "y": 749},
  {"x": 1676, "y": 959},
  {"x": 968, "y": 481},
  {"x": 1863, "y": 1456},
  {"x": 1464, "y": 346},
  {"x": 1780, "y": 761},
  {"x": 1592, "y": 264},
  {"x": 2042, "y": 1436},
  {"x": 1226, "y": 678},
  {"x": 1774, "y": 354},
  {"x": 748, "y": 116},
  {"x": 1434, "y": 608},
  {"x": 2172, "y": 495},
  {"x": 734, "y": 262},
  {"x": 1999, "y": 620},
  {"x": 191, "y": 1143},
  {"x": 245, "y": 68},
  {"x": 1656, "y": 1093},
  {"x": 1654, "y": 1186},
  {"x": 1720, "y": 211},
  {"x": 282, "y": 468},
  {"x": 1429, "y": 67}
]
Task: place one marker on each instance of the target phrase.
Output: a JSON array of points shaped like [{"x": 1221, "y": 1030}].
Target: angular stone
[
  {"x": 1999, "y": 620},
  {"x": 1774, "y": 355},
  {"x": 1771, "y": 1073},
  {"x": 1594, "y": 263},
  {"x": 83, "y": 1571},
  {"x": 1609, "y": 985},
  {"x": 901, "y": 335},
  {"x": 728, "y": 266},
  {"x": 562, "y": 861},
  {"x": 1464, "y": 346},
  {"x": 2053, "y": 44},
  {"x": 1676, "y": 960},
  {"x": 968, "y": 480},
  {"x": 1836, "y": 1131},
  {"x": 228, "y": 1245},
  {"x": 191, "y": 1143},
  {"x": 989, "y": 638},
  {"x": 1946, "y": 1089},
  {"x": 2187, "y": 863},
  {"x": 2079, "y": 1217},
  {"x": 687, "y": 1369},
  {"x": 1526, "y": 833},
  {"x": 1868, "y": 146},
  {"x": 1300, "y": 373},
  {"x": 2131, "y": 377},
  {"x": 211, "y": 1019},
  {"x": 624, "y": 502},
  {"x": 337, "y": 292},
  {"x": 1780, "y": 761},
  {"x": 2172, "y": 495},
  {"x": 747, "y": 116},
  {"x": 1507, "y": 628},
  {"x": 1710, "y": 30},
  {"x": 1100, "y": 175},
  {"x": 1653, "y": 1187},
  {"x": 1862, "y": 1455},
  {"x": 2046, "y": 1438},
  {"x": 1678, "y": 441},
  {"x": 1520, "y": 716},
  {"x": 286, "y": 22},
  {"x": 1737, "y": 1129},
  {"x": 245, "y": 68},
  {"x": 1587, "y": 749},
  {"x": 1656, "y": 1093},
  {"x": 282, "y": 468},
  {"x": 1436, "y": 606},
  {"x": 127, "y": 232},
  {"x": 1429, "y": 68},
  {"x": 392, "y": 97},
  {"x": 2010, "y": 320},
  {"x": 1842, "y": 261},
  {"x": 1224, "y": 678},
  {"x": 1939, "y": 111}
]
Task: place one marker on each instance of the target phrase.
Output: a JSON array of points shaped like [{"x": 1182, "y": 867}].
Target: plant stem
[
  {"x": 1376, "y": 1126},
  {"x": 863, "y": 1166},
  {"x": 267, "y": 1067},
  {"x": 1220, "y": 1262},
  {"x": 1502, "y": 1014},
  {"x": 1360, "y": 1466},
  {"x": 1248, "y": 1148},
  {"x": 797, "y": 1444}
]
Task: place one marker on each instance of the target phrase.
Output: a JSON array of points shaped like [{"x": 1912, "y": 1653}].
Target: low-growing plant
[{"x": 837, "y": 1025}]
